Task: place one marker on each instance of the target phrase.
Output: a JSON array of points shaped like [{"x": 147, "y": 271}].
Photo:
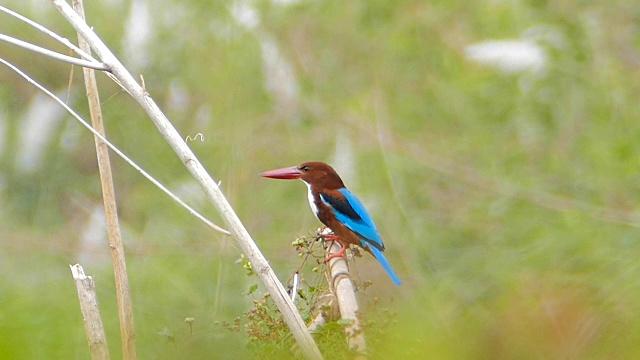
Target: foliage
[{"x": 269, "y": 337}]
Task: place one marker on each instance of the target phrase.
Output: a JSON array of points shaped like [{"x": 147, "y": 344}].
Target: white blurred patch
[
  {"x": 93, "y": 242},
  {"x": 526, "y": 57},
  {"x": 518, "y": 55},
  {"x": 245, "y": 14},
  {"x": 285, "y": 2},
  {"x": 203, "y": 117},
  {"x": 509, "y": 56},
  {"x": 38, "y": 126},
  {"x": 137, "y": 36},
  {"x": 280, "y": 79},
  {"x": 178, "y": 97}
]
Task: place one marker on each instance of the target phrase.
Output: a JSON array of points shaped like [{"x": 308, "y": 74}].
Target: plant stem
[{"x": 123, "y": 291}]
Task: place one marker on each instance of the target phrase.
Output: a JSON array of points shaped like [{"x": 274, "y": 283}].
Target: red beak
[{"x": 290, "y": 173}]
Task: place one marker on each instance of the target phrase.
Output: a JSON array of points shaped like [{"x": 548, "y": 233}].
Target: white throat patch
[{"x": 312, "y": 202}]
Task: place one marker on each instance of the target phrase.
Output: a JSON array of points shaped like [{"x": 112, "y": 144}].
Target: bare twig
[
  {"x": 116, "y": 150},
  {"x": 123, "y": 291},
  {"x": 53, "y": 54},
  {"x": 90, "y": 313},
  {"x": 96, "y": 64},
  {"x": 55, "y": 36},
  {"x": 249, "y": 248}
]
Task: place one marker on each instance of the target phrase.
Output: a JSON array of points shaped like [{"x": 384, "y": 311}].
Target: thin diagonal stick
[
  {"x": 53, "y": 54},
  {"x": 43, "y": 29},
  {"x": 116, "y": 150},
  {"x": 63, "y": 41}
]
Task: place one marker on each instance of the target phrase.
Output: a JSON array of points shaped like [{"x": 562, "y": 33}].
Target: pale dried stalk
[
  {"x": 52, "y": 54},
  {"x": 249, "y": 248},
  {"x": 53, "y": 35},
  {"x": 123, "y": 291},
  {"x": 345, "y": 294},
  {"x": 90, "y": 313}
]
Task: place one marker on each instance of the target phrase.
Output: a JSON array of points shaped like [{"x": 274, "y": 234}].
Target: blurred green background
[{"x": 495, "y": 143}]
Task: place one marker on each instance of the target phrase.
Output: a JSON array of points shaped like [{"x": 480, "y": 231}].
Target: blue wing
[{"x": 354, "y": 216}]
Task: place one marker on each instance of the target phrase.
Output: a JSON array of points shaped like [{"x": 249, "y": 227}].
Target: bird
[{"x": 337, "y": 208}]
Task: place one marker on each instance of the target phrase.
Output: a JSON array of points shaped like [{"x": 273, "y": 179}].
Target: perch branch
[
  {"x": 343, "y": 288},
  {"x": 96, "y": 337},
  {"x": 283, "y": 302}
]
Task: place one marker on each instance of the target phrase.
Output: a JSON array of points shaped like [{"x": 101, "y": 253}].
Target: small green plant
[
  {"x": 266, "y": 330},
  {"x": 268, "y": 335}
]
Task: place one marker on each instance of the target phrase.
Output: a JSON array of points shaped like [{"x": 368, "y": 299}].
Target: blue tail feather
[{"x": 385, "y": 264}]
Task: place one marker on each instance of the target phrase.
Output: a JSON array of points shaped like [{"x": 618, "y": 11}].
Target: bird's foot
[
  {"x": 331, "y": 237},
  {"x": 340, "y": 253}
]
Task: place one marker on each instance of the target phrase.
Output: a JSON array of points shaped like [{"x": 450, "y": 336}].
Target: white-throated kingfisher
[{"x": 338, "y": 209}]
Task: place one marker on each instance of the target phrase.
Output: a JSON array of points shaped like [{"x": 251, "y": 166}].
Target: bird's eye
[{"x": 304, "y": 168}]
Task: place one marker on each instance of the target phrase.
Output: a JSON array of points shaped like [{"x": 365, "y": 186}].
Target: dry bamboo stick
[
  {"x": 90, "y": 313},
  {"x": 123, "y": 292},
  {"x": 343, "y": 288}
]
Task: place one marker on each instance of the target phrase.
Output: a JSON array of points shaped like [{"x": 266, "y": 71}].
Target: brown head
[{"x": 319, "y": 175}]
